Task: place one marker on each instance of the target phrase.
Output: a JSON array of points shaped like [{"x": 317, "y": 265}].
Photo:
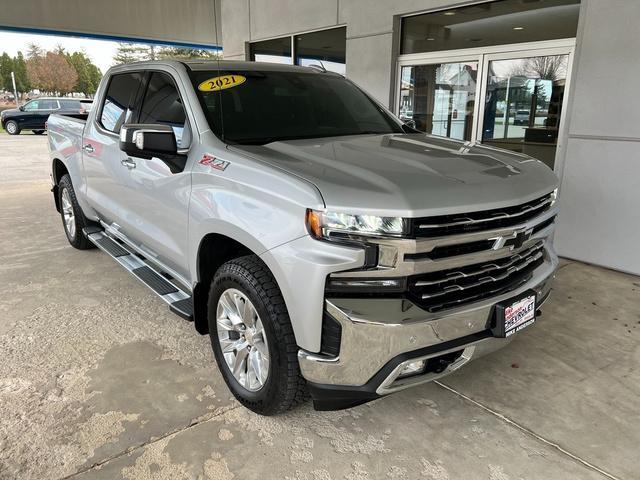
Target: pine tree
[
  {"x": 133, "y": 52},
  {"x": 187, "y": 53},
  {"x": 20, "y": 72},
  {"x": 34, "y": 51},
  {"x": 6, "y": 67}
]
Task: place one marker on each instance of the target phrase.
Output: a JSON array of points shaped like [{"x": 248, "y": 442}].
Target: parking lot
[{"x": 99, "y": 380}]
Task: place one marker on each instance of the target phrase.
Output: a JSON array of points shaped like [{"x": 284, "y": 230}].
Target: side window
[
  {"x": 48, "y": 104},
  {"x": 33, "y": 105},
  {"x": 162, "y": 104},
  {"x": 118, "y": 106},
  {"x": 70, "y": 104}
]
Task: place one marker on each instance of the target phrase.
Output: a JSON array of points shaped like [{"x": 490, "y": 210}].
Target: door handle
[
  {"x": 127, "y": 162},
  {"x": 88, "y": 148}
]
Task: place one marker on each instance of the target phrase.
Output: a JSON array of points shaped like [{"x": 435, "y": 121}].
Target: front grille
[
  {"x": 452, "y": 250},
  {"x": 476, "y": 221},
  {"x": 459, "y": 286}
]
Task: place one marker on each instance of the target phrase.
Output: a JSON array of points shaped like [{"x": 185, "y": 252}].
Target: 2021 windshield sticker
[
  {"x": 222, "y": 82},
  {"x": 214, "y": 162}
]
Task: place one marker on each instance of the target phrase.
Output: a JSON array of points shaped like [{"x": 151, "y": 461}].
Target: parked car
[
  {"x": 33, "y": 115},
  {"x": 521, "y": 117},
  {"x": 325, "y": 247}
]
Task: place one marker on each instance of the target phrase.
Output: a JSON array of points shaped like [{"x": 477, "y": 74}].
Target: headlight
[
  {"x": 328, "y": 224},
  {"x": 554, "y": 197}
]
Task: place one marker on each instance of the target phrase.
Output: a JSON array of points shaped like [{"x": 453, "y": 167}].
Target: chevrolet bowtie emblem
[{"x": 514, "y": 241}]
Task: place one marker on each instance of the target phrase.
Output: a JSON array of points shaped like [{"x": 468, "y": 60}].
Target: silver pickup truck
[{"x": 326, "y": 248}]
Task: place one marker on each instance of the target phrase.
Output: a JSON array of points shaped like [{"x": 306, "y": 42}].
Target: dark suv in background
[{"x": 33, "y": 115}]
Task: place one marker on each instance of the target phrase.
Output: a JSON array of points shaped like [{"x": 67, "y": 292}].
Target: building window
[
  {"x": 326, "y": 48},
  {"x": 440, "y": 98},
  {"x": 277, "y": 50},
  {"x": 492, "y": 23}
]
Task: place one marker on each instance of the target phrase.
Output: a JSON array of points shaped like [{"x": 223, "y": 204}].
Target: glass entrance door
[
  {"x": 439, "y": 98},
  {"x": 523, "y": 104}
]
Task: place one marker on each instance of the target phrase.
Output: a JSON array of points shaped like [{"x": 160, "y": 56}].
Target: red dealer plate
[{"x": 515, "y": 314}]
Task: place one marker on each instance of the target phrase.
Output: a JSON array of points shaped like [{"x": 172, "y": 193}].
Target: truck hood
[{"x": 408, "y": 175}]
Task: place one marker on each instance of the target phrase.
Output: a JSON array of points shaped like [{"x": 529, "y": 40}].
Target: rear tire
[
  {"x": 73, "y": 220},
  {"x": 38, "y": 132},
  {"x": 258, "y": 298},
  {"x": 12, "y": 128}
]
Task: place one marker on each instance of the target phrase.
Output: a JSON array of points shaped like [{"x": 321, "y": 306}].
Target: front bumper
[{"x": 380, "y": 334}]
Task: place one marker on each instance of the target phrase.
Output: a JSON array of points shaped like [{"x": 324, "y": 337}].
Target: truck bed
[{"x": 65, "y": 137}]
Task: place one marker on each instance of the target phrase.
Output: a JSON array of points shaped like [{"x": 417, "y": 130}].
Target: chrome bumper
[{"x": 377, "y": 330}]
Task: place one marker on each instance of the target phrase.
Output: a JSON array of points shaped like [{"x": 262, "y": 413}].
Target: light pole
[{"x": 15, "y": 91}]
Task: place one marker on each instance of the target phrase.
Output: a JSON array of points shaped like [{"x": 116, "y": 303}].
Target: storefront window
[
  {"x": 490, "y": 23},
  {"x": 440, "y": 98},
  {"x": 277, "y": 50},
  {"x": 524, "y": 103},
  {"x": 326, "y": 48}
]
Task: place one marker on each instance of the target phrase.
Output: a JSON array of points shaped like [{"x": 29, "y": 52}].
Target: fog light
[{"x": 412, "y": 368}]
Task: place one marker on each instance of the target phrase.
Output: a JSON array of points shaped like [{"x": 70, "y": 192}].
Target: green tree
[
  {"x": 96, "y": 76},
  {"x": 88, "y": 74},
  {"x": 20, "y": 71},
  {"x": 187, "y": 53},
  {"x": 133, "y": 52},
  {"x": 6, "y": 66},
  {"x": 34, "y": 50}
]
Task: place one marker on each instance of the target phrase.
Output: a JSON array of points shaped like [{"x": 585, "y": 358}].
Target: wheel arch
[
  {"x": 58, "y": 170},
  {"x": 214, "y": 250}
]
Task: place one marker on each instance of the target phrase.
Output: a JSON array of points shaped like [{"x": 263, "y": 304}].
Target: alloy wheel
[
  {"x": 68, "y": 216},
  {"x": 242, "y": 339}
]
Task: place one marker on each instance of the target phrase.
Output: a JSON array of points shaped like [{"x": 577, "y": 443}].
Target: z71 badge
[{"x": 214, "y": 162}]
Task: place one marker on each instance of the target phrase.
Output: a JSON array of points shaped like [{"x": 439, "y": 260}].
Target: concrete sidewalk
[{"x": 99, "y": 380}]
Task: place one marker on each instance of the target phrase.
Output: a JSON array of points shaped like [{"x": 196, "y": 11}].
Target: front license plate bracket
[{"x": 514, "y": 314}]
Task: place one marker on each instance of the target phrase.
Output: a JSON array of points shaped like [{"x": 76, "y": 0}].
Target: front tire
[
  {"x": 252, "y": 337},
  {"x": 38, "y": 132},
  {"x": 12, "y": 128},
  {"x": 73, "y": 220}
]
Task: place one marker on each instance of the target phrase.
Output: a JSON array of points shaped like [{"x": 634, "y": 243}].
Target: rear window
[
  {"x": 70, "y": 104},
  {"x": 259, "y": 107}
]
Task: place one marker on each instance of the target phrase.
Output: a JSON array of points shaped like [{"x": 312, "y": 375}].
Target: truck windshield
[{"x": 260, "y": 107}]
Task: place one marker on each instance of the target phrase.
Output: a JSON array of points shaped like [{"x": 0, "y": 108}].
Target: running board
[{"x": 180, "y": 302}]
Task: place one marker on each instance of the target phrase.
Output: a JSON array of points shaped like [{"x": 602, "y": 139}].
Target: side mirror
[
  {"x": 148, "y": 141},
  {"x": 411, "y": 123},
  {"x": 21, "y": 108}
]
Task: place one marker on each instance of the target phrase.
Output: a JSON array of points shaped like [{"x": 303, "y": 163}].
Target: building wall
[
  {"x": 370, "y": 33},
  {"x": 598, "y": 156},
  {"x": 600, "y": 162},
  {"x": 188, "y": 21}
]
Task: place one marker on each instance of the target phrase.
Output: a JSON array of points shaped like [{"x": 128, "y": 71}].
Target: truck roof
[{"x": 200, "y": 65}]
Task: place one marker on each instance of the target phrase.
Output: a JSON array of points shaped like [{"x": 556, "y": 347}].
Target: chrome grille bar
[
  {"x": 484, "y": 269},
  {"x": 484, "y": 280},
  {"x": 546, "y": 201}
]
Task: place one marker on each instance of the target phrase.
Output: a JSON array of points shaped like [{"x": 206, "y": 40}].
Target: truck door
[
  {"x": 157, "y": 195},
  {"x": 47, "y": 107},
  {"x": 30, "y": 114},
  {"x": 106, "y": 176}
]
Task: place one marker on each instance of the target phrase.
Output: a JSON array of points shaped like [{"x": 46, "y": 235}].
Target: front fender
[{"x": 301, "y": 268}]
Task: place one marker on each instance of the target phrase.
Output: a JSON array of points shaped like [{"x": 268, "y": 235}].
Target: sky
[{"x": 100, "y": 51}]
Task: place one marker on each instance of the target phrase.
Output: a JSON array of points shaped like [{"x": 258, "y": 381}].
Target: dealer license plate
[{"x": 515, "y": 315}]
